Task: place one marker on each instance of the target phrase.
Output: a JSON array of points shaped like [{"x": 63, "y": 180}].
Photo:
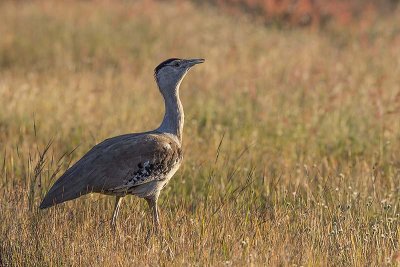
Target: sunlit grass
[{"x": 291, "y": 138}]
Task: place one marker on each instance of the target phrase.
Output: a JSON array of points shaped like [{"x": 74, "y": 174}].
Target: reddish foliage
[{"x": 308, "y": 12}]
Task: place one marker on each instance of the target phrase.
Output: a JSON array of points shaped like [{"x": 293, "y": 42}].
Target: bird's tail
[{"x": 58, "y": 193}]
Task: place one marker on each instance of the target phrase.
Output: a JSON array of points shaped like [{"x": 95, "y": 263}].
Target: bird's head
[{"x": 170, "y": 73}]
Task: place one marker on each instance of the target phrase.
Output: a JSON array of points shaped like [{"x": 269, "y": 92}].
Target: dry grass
[{"x": 307, "y": 173}]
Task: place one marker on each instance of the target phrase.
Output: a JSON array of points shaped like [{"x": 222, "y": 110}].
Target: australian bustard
[{"x": 139, "y": 164}]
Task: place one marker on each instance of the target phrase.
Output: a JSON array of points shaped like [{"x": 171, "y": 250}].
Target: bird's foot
[
  {"x": 113, "y": 227},
  {"x": 167, "y": 248}
]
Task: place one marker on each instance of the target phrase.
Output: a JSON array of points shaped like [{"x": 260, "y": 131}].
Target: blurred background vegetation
[
  {"x": 291, "y": 139},
  {"x": 315, "y": 13}
]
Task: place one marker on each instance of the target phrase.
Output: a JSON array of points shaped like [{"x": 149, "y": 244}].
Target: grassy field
[{"x": 291, "y": 139}]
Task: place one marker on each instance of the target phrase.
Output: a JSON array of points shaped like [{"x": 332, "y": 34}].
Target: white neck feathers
[{"x": 174, "y": 116}]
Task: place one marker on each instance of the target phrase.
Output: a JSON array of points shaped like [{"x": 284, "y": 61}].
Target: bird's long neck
[{"x": 174, "y": 117}]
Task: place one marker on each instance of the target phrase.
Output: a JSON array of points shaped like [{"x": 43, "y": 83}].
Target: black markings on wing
[
  {"x": 144, "y": 171},
  {"x": 155, "y": 168}
]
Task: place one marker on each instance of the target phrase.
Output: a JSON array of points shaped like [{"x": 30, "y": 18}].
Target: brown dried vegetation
[{"x": 291, "y": 141}]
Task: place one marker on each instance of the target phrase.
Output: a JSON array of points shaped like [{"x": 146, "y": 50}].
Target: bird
[{"x": 139, "y": 164}]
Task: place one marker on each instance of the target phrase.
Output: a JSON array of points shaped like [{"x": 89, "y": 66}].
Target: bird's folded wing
[{"x": 116, "y": 163}]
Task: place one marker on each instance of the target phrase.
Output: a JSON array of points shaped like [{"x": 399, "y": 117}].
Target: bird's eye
[{"x": 177, "y": 64}]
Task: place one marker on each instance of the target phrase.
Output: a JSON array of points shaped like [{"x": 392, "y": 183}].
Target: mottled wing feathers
[
  {"x": 150, "y": 157},
  {"x": 116, "y": 163}
]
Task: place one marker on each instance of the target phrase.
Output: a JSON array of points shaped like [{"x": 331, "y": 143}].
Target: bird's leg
[
  {"x": 152, "y": 201},
  {"x": 115, "y": 213},
  {"x": 156, "y": 216},
  {"x": 156, "y": 225}
]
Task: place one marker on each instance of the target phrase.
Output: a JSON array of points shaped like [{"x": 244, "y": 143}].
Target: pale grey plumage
[{"x": 140, "y": 163}]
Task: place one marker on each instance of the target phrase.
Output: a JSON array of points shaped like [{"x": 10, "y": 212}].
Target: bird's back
[{"x": 117, "y": 166}]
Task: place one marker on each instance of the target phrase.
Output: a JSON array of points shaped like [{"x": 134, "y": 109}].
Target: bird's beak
[{"x": 192, "y": 62}]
